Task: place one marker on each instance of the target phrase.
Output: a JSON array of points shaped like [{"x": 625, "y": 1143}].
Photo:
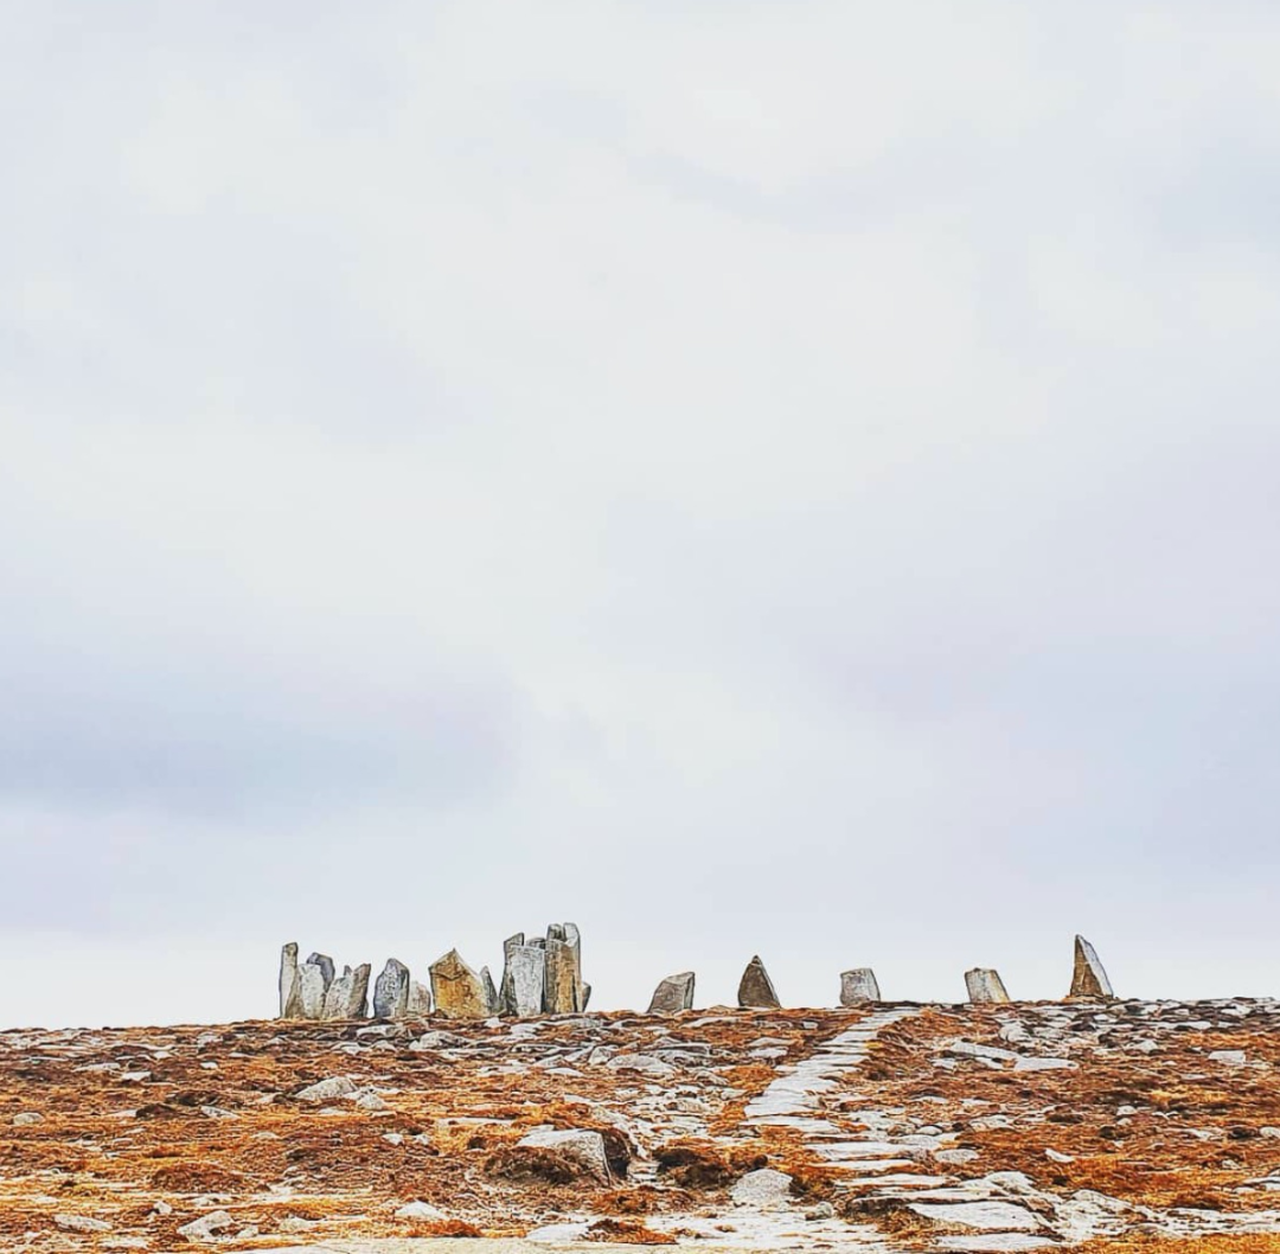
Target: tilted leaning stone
[
  {"x": 391, "y": 991},
  {"x": 348, "y": 995},
  {"x": 522, "y": 977},
  {"x": 491, "y": 999},
  {"x": 755, "y": 989},
  {"x": 1089, "y": 979},
  {"x": 985, "y": 985},
  {"x": 458, "y": 991},
  {"x": 673, "y": 995},
  {"x": 290, "y": 984},
  {"x": 419, "y": 1005},
  {"x": 858, "y": 986}
]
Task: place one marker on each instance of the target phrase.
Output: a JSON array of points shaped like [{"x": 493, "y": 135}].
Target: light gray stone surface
[
  {"x": 522, "y": 979},
  {"x": 765, "y": 1187},
  {"x": 348, "y": 995},
  {"x": 329, "y": 1090},
  {"x": 327, "y": 968},
  {"x": 419, "y": 1002},
  {"x": 580, "y": 1144},
  {"x": 290, "y": 985},
  {"x": 391, "y": 991},
  {"x": 673, "y": 995},
  {"x": 985, "y": 985},
  {"x": 858, "y": 986},
  {"x": 311, "y": 990}
]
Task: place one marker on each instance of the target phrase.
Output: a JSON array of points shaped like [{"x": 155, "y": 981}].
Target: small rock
[
  {"x": 25, "y": 1118},
  {"x": 765, "y": 1187},
  {"x": 207, "y": 1226},
  {"x": 393, "y": 1138},
  {"x": 580, "y": 1144},
  {"x": 823, "y": 1210},
  {"x": 328, "y": 1090},
  {"x": 81, "y": 1223},
  {"x": 1230, "y": 1057},
  {"x": 1055, "y": 1157},
  {"x": 370, "y": 1101},
  {"x": 858, "y": 986},
  {"x": 295, "y": 1223},
  {"x": 420, "y": 1210}
]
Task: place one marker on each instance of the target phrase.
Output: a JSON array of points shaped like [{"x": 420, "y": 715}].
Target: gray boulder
[
  {"x": 579, "y": 1145},
  {"x": 985, "y": 985},
  {"x": 755, "y": 989},
  {"x": 1089, "y": 978},
  {"x": 348, "y": 995},
  {"x": 858, "y": 986},
  {"x": 391, "y": 991},
  {"x": 673, "y": 995}
]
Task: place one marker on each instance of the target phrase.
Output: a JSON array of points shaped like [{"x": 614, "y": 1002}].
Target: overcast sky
[{"x": 745, "y": 477}]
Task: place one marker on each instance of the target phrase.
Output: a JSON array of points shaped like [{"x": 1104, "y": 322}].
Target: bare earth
[{"x": 1132, "y": 1125}]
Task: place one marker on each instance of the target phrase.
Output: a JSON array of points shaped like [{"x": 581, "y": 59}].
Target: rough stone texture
[
  {"x": 1089, "y": 978},
  {"x": 756, "y": 989},
  {"x": 673, "y": 995},
  {"x": 290, "y": 983},
  {"x": 327, "y": 968},
  {"x": 348, "y": 995},
  {"x": 579, "y": 1144},
  {"x": 419, "y": 1003},
  {"x": 329, "y": 1090},
  {"x": 765, "y": 1187},
  {"x": 490, "y": 992},
  {"x": 311, "y": 990},
  {"x": 858, "y": 986},
  {"x": 562, "y": 986},
  {"x": 391, "y": 991},
  {"x": 458, "y": 991},
  {"x": 522, "y": 979},
  {"x": 985, "y": 985}
]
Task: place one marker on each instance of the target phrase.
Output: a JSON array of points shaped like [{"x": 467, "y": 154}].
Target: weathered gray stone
[
  {"x": 327, "y": 1090},
  {"x": 311, "y": 990},
  {"x": 766, "y": 1188},
  {"x": 985, "y": 985},
  {"x": 290, "y": 985},
  {"x": 490, "y": 992},
  {"x": 1089, "y": 978},
  {"x": 458, "y": 991},
  {"x": 522, "y": 978},
  {"x": 577, "y": 1144},
  {"x": 858, "y": 986},
  {"x": 348, "y": 995},
  {"x": 586, "y": 995},
  {"x": 562, "y": 984},
  {"x": 755, "y": 989},
  {"x": 391, "y": 991},
  {"x": 419, "y": 1003},
  {"x": 327, "y": 968},
  {"x": 673, "y": 995}
]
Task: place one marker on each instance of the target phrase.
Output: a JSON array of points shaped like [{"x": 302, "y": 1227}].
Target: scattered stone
[
  {"x": 765, "y": 1187},
  {"x": 348, "y": 995},
  {"x": 327, "y": 1090},
  {"x": 1055, "y": 1156},
  {"x": 207, "y": 1227},
  {"x": 391, "y": 991},
  {"x": 290, "y": 984},
  {"x": 81, "y": 1223},
  {"x": 673, "y": 995},
  {"x": 823, "y": 1210},
  {"x": 370, "y": 1101},
  {"x": 989, "y": 1216},
  {"x": 25, "y": 1118},
  {"x": 1231, "y": 1057},
  {"x": 1089, "y": 979},
  {"x": 420, "y": 1210},
  {"x": 985, "y": 985},
  {"x": 523, "y": 972},
  {"x": 858, "y": 986},
  {"x": 458, "y": 991},
  {"x": 956, "y": 1157},
  {"x": 580, "y": 1145},
  {"x": 755, "y": 989}
]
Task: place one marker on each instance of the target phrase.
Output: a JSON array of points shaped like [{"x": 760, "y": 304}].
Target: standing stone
[
  {"x": 560, "y": 994},
  {"x": 458, "y": 991},
  {"x": 327, "y": 969},
  {"x": 419, "y": 1005},
  {"x": 858, "y": 986},
  {"x": 290, "y": 985},
  {"x": 348, "y": 995},
  {"x": 311, "y": 989},
  {"x": 522, "y": 978},
  {"x": 1089, "y": 979},
  {"x": 755, "y": 989},
  {"x": 985, "y": 985},
  {"x": 586, "y": 996},
  {"x": 673, "y": 995},
  {"x": 391, "y": 991},
  {"x": 490, "y": 992}
]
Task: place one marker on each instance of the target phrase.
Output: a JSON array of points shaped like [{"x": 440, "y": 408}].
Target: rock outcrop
[
  {"x": 458, "y": 991},
  {"x": 859, "y": 986},
  {"x": 985, "y": 985},
  {"x": 391, "y": 991},
  {"x": 1089, "y": 979},
  {"x": 673, "y": 995},
  {"x": 755, "y": 989}
]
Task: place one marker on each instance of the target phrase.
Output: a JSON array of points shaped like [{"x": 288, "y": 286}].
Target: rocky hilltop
[{"x": 1004, "y": 1126}]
